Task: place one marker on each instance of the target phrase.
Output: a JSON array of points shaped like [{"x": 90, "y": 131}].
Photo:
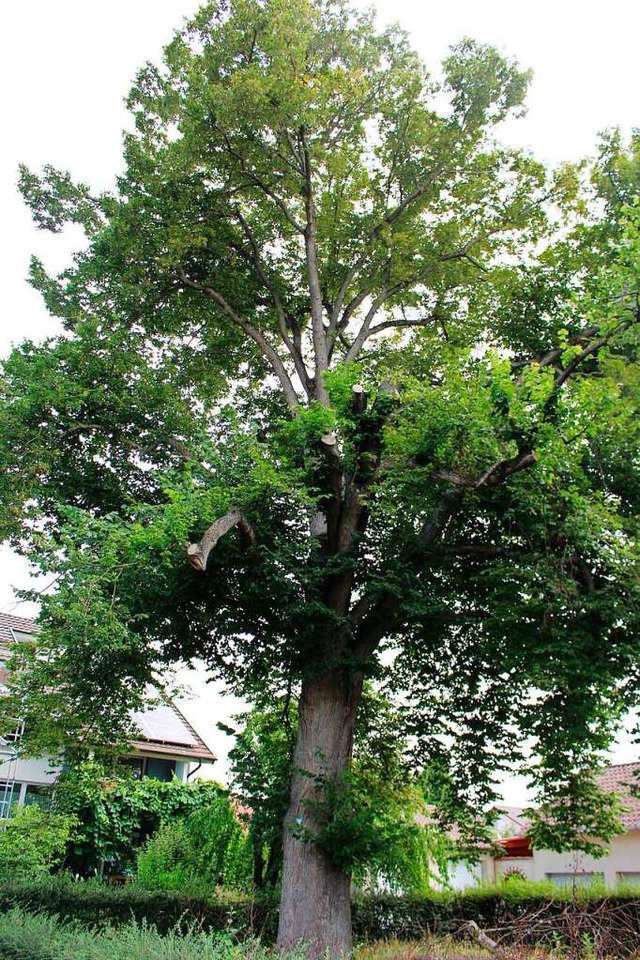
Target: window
[
  {"x": 579, "y": 879},
  {"x": 629, "y": 878},
  {"x": 159, "y": 769},
  {"x": 14, "y": 735},
  {"x": 9, "y": 794},
  {"x": 155, "y": 767},
  {"x": 135, "y": 765},
  {"x": 38, "y": 795}
]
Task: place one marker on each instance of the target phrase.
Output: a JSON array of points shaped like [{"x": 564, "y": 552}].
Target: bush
[
  {"x": 209, "y": 849},
  {"x": 33, "y": 841},
  {"x": 522, "y": 917},
  {"x": 115, "y": 815},
  {"x": 96, "y": 904},
  {"x": 27, "y": 937}
]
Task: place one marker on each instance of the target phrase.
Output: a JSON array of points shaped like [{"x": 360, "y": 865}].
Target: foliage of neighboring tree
[
  {"x": 33, "y": 841},
  {"x": 115, "y": 814},
  {"x": 210, "y": 848},
  {"x": 375, "y": 819},
  {"x": 261, "y": 766},
  {"x": 380, "y": 373}
]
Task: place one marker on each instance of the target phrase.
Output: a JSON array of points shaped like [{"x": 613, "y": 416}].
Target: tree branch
[
  {"x": 266, "y": 189},
  {"x": 499, "y": 472},
  {"x": 291, "y": 346},
  {"x": 321, "y": 355},
  {"x": 390, "y": 217},
  {"x": 256, "y": 335},
  {"x": 198, "y": 553},
  {"x": 366, "y": 330},
  {"x": 373, "y": 617}
]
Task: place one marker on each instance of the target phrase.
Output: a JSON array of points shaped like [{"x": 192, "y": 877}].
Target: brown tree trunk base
[{"x": 315, "y": 907}]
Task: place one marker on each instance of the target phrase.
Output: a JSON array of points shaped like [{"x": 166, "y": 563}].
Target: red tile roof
[
  {"x": 621, "y": 779},
  {"x": 10, "y": 624}
]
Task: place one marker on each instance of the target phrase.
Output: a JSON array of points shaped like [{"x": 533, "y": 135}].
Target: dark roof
[
  {"x": 163, "y": 727},
  {"x": 621, "y": 779}
]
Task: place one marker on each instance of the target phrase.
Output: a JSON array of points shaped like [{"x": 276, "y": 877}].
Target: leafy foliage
[
  {"x": 207, "y": 849},
  {"x": 261, "y": 769},
  {"x": 33, "y": 841},
  {"x": 380, "y": 367},
  {"x": 45, "y": 938},
  {"x": 376, "y": 823},
  {"x": 114, "y": 815}
]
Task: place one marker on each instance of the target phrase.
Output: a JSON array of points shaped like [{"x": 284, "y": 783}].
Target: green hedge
[
  {"x": 612, "y": 919},
  {"x": 97, "y": 904},
  {"x": 610, "y": 923}
]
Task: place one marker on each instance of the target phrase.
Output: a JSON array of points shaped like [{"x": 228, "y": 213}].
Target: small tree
[
  {"x": 334, "y": 340},
  {"x": 375, "y": 820},
  {"x": 208, "y": 849}
]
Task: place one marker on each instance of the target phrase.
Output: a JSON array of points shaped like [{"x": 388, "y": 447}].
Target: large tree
[{"x": 375, "y": 369}]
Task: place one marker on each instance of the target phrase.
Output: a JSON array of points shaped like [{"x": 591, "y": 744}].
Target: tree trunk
[{"x": 315, "y": 907}]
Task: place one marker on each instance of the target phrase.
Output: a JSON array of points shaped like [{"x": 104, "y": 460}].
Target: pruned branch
[
  {"x": 198, "y": 553},
  {"x": 472, "y": 928},
  {"x": 358, "y": 399}
]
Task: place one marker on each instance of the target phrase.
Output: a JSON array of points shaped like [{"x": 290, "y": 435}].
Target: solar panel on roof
[{"x": 162, "y": 723}]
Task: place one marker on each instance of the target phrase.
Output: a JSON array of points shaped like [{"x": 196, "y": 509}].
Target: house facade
[
  {"x": 168, "y": 746},
  {"x": 619, "y": 865}
]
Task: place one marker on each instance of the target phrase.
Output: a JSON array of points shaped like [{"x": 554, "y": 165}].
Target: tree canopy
[{"x": 377, "y": 370}]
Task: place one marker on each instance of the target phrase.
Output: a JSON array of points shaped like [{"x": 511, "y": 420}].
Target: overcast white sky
[{"x": 67, "y": 65}]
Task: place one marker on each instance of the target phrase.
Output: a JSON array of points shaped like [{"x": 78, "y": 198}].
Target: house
[
  {"x": 168, "y": 745},
  {"x": 509, "y": 825},
  {"x": 621, "y": 864}
]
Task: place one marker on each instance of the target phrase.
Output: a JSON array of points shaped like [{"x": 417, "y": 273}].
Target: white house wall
[
  {"x": 621, "y": 863},
  {"x": 27, "y": 771}
]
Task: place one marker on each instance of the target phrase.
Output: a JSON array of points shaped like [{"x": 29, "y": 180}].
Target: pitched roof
[
  {"x": 10, "y": 625},
  {"x": 165, "y": 730},
  {"x": 624, "y": 779}
]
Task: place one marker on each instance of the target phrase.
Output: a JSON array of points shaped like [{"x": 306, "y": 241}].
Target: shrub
[
  {"x": 210, "y": 848},
  {"x": 96, "y": 904},
  {"x": 521, "y": 918},
  {"x": 27, "y": 937},
  {"x": 33, "y": 841},
  {"x": 116, "y": 814}
]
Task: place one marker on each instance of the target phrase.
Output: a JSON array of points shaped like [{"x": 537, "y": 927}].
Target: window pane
[
  {"x": 134, "y": 765},
  {"x": 39, "y": 795},
  {"x": 9, "y": 793},
  {"x": 160, "y": 769},
  {"x": 581, "y": 879}
]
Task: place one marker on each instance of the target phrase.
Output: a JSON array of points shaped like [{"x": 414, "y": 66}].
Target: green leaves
[
  {"x": 33, "y": 841},
  {"x": 113, "y": 814},
  {"x": 485, "y": 87},
  {"x": 298, "y": 216}
]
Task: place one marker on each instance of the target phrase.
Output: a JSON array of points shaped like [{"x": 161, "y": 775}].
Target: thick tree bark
[{"x": 315, "y": 908}]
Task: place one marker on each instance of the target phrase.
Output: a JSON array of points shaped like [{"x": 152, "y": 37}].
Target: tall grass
[{"x": 25, "y": 936}]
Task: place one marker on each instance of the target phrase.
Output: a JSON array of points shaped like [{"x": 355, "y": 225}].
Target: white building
[
  {"x": 619, "y": 865},
  {"x": 168, "y": 745}
]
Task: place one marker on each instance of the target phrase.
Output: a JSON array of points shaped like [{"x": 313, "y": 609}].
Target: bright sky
[{"x": 66, "y": 67}]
